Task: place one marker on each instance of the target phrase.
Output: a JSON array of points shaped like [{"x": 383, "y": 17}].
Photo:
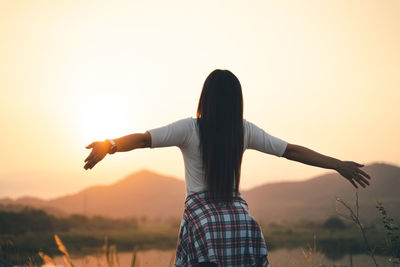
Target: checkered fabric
[{"x": 220, "y": 233}]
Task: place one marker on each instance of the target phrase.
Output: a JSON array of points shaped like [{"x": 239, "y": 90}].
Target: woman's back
[
  {"x": 216, "y": 226},
  {"x": 185, "y": 134}
]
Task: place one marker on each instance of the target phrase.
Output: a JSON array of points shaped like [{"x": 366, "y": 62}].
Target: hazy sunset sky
[{"x": 322, "y": 74}]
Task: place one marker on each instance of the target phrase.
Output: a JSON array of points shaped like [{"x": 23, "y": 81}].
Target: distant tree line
[{"x": 35, "y": 220}]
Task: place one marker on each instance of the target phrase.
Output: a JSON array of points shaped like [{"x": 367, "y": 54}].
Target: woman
[{"x": 217, "y": 229}]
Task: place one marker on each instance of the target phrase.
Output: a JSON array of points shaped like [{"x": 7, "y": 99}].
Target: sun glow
[
  {"x": 106, "y": 105},
  {"x": 100, "y": 119},
  {"x": 102, "y": 123}
]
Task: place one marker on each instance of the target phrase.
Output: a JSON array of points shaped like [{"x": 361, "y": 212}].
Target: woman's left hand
[
  {"x": 99, "y": 151},
  {"x": 352, "y": 172}
]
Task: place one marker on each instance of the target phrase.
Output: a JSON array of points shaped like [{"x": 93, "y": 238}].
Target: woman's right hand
[
  {"x": 99, "y": 151},
  {"x": 352, "y": 172}
]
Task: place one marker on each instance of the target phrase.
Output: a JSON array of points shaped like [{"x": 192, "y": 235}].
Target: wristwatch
[{"x": 113, "y": 147}]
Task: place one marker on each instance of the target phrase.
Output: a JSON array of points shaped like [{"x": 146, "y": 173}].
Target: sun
[
  {"x": 102, "y": 119},
  {"x": 102, "y": 105}
]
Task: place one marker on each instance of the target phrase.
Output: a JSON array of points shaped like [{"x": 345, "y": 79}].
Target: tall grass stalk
[
  {"x": 134, "y": 260},
  {"x": 172, "y": 260},
  {"x": 47, "y": 259},
  {"x": 63, "y": 249},
  {"x": 311, "y": 254}
]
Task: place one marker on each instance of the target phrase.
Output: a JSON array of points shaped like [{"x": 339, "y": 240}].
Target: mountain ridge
[{"x": 146, "y": 193}]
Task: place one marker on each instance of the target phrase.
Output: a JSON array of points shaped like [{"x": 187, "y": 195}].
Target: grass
[
  {"x": 34, "y": 248},
  {"x": 79, "y": 242},
  {"x": 106, "y": 255},
  {"x": 20, "y": 249}
]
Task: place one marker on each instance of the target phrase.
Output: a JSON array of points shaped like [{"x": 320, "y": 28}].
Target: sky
[{"x": 321, "y": 74}]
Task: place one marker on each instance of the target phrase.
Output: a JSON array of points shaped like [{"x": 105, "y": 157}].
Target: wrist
[
  {"x": 337, "y": 165},
  {"x": 112, "y": 147}
]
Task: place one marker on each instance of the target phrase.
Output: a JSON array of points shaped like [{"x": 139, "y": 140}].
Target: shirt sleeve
[
  {"x": 177, "y": 134},
  {"x": 260, "y": 140}
]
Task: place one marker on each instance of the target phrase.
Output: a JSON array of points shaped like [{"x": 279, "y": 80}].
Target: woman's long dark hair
[{"x": 220, "y": 120}]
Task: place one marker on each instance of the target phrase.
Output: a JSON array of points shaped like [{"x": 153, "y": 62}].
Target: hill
[
  {"x": 315, "y": 199},
  {"x": 143, "y": 193},
  {"x": 155, "y": 196}
]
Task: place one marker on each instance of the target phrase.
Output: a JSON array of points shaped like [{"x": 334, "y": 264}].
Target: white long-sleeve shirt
[{"x": 184, "y": 134}]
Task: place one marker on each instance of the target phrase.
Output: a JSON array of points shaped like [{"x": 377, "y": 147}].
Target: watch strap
[{"x": 113, "y": 147}]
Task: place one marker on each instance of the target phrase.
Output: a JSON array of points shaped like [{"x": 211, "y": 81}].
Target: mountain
[
  {"x": 143, "y": 193},
  {"x": 155, "y": 196},
  {"x": 315, "y": 199}
]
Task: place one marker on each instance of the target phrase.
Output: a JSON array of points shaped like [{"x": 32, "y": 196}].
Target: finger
[
  {"x": 91, "y": 155},
  {"x": 89, "y": 165},
  {"x": 88, "y": 157},
  {"x": 86, "y": 166},
  {"x": 353, "y": 183},
  {"x": 93, "y": 164},
  {"x": 365, "y": 174},
  {"x": 365, "y": 181},
  {"x": 359, "y": 165},
  {"x": 361, "y": 182},
  {"x": 90, "y": 146},
  {"x": 97, "y": 158}
]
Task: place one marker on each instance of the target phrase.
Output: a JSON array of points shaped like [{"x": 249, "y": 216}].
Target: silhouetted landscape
[
  {"x": 144, "y": 210},
  {"x": 155, "y": 196}
]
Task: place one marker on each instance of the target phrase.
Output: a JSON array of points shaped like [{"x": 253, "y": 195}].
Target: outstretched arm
[
  {"x": 125, "y": 143},
  {"x": 173, "y": 134},
  {"x": 348, "y": 169}
]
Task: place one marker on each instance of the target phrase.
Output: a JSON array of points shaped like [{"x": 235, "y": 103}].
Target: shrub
[{"x": 334, "y": 223}]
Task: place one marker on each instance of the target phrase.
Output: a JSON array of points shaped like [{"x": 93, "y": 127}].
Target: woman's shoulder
[
  {"x": 191, "y": 121},
  {"x": 246, "y": 125},
  {"x": 250, "y": 126},
  {"x": 186, "y": 121}
]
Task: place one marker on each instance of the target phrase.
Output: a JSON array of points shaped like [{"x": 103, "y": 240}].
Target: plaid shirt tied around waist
[{"x": 220, "y": 233}]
